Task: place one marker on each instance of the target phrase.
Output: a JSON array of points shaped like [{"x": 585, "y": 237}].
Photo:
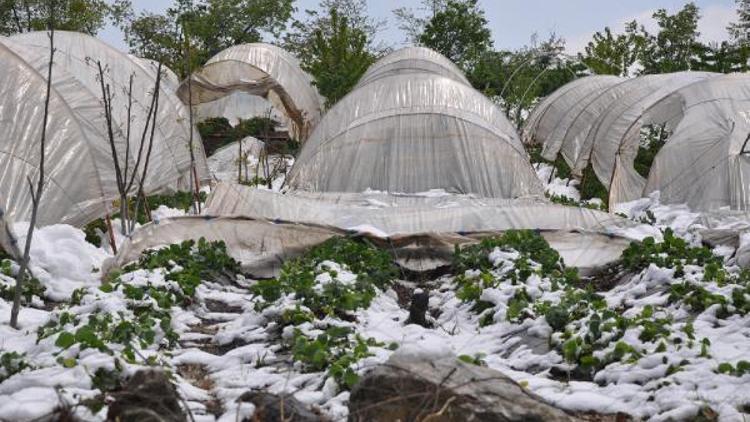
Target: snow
[
  {"x": 241, "y": 346},
  {"x": 557, "y": 187},
  {"x": 62, "y": 260}
]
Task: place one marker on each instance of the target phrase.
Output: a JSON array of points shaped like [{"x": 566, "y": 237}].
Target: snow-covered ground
[{"x": 682, "y": 353}]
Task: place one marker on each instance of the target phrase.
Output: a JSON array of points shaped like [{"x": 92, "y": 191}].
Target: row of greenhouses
[
  {"x": 700, "y": 118},
  {"x": 413, "y": 124}
]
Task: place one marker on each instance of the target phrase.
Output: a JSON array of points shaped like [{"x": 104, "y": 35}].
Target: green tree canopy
[
  {"x": 88, "y": 16},
  {"x": 740, "y": 30},
  {"x": 300, "y": 39},
  {"x": 516, "y": 79},
  {"x": 211, "y": 26},
  {"x": 458, "y": 31},
  {"x": 614, "y": 54},
  {"x": 676, "y": 45},
  {"x": 337, "y": 57}
]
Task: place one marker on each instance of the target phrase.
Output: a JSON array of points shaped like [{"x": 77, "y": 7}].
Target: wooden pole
[{"x": 112, "y": 242}]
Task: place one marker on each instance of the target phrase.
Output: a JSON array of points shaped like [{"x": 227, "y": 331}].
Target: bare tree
[
  {"x": 125, "y": 176},
  {"x": 35, "y": 192}
]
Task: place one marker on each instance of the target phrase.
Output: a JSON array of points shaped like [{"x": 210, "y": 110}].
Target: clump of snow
[
  {"x": 165, "y": 212},
  {"x": 62, "y": 260},
  {"x": 556, "y": 186}
]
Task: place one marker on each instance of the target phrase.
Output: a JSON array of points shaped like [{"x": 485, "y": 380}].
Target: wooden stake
[{"x": 112, "y": 242}]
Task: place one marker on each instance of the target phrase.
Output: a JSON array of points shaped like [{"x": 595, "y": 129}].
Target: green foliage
[
  {"x": 459, "y": 31},
  {"x": 672, "y": 49},
  {"x": 740, "y": 30},
  {"x": 373, "y": 267},
  {"x": 673, "y": 252},
  {"x": 742, "y": 368},
  {"x": 339, "y": 56},
  {"x": 591, "y": 187},
  {"x": 335, "y": 350},
  {"x": 178, "y": 200},
  {"x": 614, "y": 54},
  {"x": 151, "y": 323},
  {"x": 655, "y": 138},
  {"x": 477, "y": 359},
  {"x": 530, "y": 244},
  {"x": 564, "y": 200},
  {"x": 217, "y": 132},
  {"x": 11, "y": 363},
  {"x": 31, "y": 286},
  {"x": 87, "y": 16},
  {"x": 189, "y": 262},
  {"x": 211, "y": 25},
  {"x": 92, "y": 230},
  {"x": 586, "y": 330}
]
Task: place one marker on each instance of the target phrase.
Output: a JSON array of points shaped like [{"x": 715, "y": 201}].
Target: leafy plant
[
  {"x": 335, "y": 350},
  {"x": 11, "y": 363},
  {"x": 188, "y": 263},
  {"x": 30, "y": 288},
  {"x": 373, "y": 268}
]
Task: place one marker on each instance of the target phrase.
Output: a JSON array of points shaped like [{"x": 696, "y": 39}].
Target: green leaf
[{"x": 65, "y": 340}]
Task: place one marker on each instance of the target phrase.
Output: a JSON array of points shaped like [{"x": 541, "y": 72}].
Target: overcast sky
[{"x": 514, "y": 21}]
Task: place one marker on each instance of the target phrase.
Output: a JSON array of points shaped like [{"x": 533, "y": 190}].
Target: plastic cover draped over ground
[
  {"x": 388, "y": 214},
  {"x": 263, "y": 70},
  {"x": 263, "y": 228},
  {"x": 413, "y": 60},
  {"x": 413, "y": 132},
  {"x": 81, "y": 182},
  {"x": 706, "y": 161}
]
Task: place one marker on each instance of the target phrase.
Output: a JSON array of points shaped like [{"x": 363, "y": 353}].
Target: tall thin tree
[{"x": 35, "y": 191}]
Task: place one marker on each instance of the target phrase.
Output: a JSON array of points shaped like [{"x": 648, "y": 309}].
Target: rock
[
  {"x": 411, "y": 388},
  {"x": 149, "y": 396},
  {"x": 418, "y": 309},
  {"x": 274, "y": 408}
]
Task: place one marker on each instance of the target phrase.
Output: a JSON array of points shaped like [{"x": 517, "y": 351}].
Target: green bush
[{"x": 373, "y": 267}]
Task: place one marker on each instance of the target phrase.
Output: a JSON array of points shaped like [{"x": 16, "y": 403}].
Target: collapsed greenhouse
[
  {"x": 704, "y": 161},
  {"x": 261, "y": 71}
]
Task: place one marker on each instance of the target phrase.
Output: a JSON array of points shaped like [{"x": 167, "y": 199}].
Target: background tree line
[{"x": 337, "y": 42}]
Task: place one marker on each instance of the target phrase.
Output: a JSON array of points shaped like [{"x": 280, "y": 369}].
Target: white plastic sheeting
[
  {"x": 78, "y": 54},
  {"x": 613, "y": 143},
  {"x": 388, "y": 215},
  {"x": 706, "y": 161},
  {"x": 413, "y": 132},
  {"x": 263, "y": 70},
  {"x": 238, "y": 106},
  {"x": 547, "y": 114},
  {"x": 73, "y": 191},
  {"x": 262, "y": 245},
  {"x": 225, "y": 163},
  {"x": 80, "y": 179},
  {"x": 413, "y": 60}
]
